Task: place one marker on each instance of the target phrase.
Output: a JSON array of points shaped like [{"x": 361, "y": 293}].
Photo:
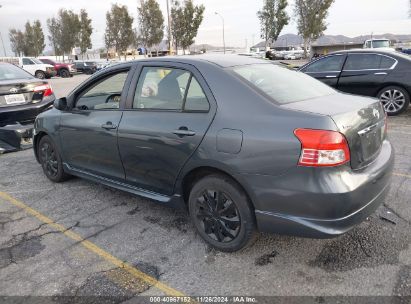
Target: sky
[{"x": 346, "y": 17}]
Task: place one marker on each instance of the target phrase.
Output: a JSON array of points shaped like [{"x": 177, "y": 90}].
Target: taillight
[
  {"x": 45, "y": 88},
  {"x": 322, "y": 148}
]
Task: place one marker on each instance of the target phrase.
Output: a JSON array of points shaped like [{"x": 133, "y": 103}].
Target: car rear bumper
[
  {"x": 24, "y": 114},
  {"x": 320, "y": 202},
  {"x": 15, "y": 137}
]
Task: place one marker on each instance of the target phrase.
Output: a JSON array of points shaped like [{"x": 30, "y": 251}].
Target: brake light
[
  {"x": 45, "y": 88},
  {"x": 322, "y": 148}
]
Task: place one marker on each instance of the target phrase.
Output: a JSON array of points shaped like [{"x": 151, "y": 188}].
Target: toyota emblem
[{"x": 13, "y": 90}]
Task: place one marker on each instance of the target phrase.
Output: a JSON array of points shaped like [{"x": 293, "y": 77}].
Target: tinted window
[
  {"x": 27, "y": 61},
  {"x": 386, "y": 62},
  {"x": 327, "y": 64},
  {"x": 9, "y": 71},
  {"x": 196, "y": 99},
  {"x": 363, "y": 62},
  {"x": 104, "y": 95},
  {"x": 281, "y": 84},
  {"x": 161, "y": 88}
]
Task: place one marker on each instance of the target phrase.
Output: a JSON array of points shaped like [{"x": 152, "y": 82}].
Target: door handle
[
  {"x": 331, "y": 76},
  {"x": 380, "y": 73},
  {"x": 109, "y": 126},
  {"x": 184, "y": 131}
]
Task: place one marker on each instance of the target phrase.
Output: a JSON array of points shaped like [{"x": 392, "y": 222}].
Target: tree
[
  {"x": 119, "y": 29},
  {"x": 273, "y": 18},
  {"x": 311, "y": 15},
  {"x": 69, "y": 30},
  {"x": 54, "y": 26},
  {"x": 185, "y": 20},
  {"x": 151, "y": 23},
  {"x": 17, "y": 41},
  {"x": 85, "y": 31},
  {"x": 38, "y": 38},
  {"x": 28, "y": 48}
]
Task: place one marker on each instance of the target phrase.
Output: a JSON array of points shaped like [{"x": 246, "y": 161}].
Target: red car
[{"x": 64, "y": 70}]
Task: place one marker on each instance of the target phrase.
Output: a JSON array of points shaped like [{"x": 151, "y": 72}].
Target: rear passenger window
[
  {"x": 387, "y": 62},
  {"x": 327, "y": 64},
  {"x": 161, "y": 88},
  {"x": 196, "y": 99},
  {"x": 357, "y": 62}
]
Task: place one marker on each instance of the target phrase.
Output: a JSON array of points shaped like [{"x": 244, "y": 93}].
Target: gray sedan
[{"x": 242, "y": 144}]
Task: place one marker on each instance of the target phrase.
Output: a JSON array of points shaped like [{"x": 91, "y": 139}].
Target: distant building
[{"x": 324, "y": 49}]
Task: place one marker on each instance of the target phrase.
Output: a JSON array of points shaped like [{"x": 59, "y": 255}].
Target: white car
[{"x": 32, "y": 65}]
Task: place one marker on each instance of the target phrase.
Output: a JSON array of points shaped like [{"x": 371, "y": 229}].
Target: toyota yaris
[{"x": 243, "y": 144}]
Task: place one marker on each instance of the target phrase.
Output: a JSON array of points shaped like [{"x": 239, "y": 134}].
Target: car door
[
  {"x": 168, "y": 113},
  {"x": 29, "y": 65},
  {"x": 326, "y": 69},
  {"x": 364, "y": 73},
  {"x": 88, "y": 131}
]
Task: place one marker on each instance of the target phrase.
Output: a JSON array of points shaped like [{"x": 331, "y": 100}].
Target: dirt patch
[{"x": 265, "y": 259}]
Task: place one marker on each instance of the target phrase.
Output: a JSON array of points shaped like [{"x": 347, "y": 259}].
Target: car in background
[
  {"x": 383, "y": 74},
  {"x": 32, "y": 65},
  {"x": 22, "y": 98},
  {"x": 384, "y": 44},
  {"x": 63, "y": 70},
  {"x": 85, "y": 67},
  {"x": 242, "y": 143}
]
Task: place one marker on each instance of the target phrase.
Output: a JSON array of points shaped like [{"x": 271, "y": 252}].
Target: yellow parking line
[
  {"x": 93, "y": 247},
  {"x": 402, "y": 175}
]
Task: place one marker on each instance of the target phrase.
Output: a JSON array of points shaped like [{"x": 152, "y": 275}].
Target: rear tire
[
  {"x": 64, "y": 73},
  {"x": 50, "y": 160},
  {"x": 40, "y": 75},
  {"x": 222, "y": 213},
  {"x": 395, "y": 100}
]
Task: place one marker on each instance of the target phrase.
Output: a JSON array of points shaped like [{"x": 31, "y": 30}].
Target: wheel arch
[
  {"x": 195, "y": 174},
  {"x": 393, "y": 84}
]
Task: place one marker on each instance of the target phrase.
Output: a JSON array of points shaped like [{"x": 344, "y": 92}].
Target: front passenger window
[{"x": 104, "y": 95}]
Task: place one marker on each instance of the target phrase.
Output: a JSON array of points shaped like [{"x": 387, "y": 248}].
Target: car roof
[
  {"x": 223, "y": 61},
  {"x": 368, "y": 51}
]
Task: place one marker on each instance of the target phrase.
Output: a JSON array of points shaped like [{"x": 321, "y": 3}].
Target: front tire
[
  {"x": 64, "y": 73},
  {"x": 222, "y": 213},
  {"x": 50, "y": 160},
  {"x": 395, "y": 100}
]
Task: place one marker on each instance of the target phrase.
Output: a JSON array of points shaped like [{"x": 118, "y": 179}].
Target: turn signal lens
[
  {"x": 322, "y": 148},
  {"x": 46, "y": 88}
]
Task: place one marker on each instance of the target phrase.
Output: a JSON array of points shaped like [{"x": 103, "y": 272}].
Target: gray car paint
[{"x": 314, "y": 202}]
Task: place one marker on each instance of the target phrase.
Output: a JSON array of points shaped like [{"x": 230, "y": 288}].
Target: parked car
[
  {"x": 63, "y": 70},
  {"x": 376, "y": 73},
  {"x": 32, "y": 65},
  {"x": 86, "y": 67},
  {"x": 384, "y": 44},
  {"x": 22, "y": 98},
  {"x": 243, "y": 144}
]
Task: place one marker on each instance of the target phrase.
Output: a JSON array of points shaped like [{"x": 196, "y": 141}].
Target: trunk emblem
[{"x": 13, "y": 90}]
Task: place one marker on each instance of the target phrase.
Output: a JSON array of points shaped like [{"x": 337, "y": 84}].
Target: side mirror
[{"x": 61, "y": 104}]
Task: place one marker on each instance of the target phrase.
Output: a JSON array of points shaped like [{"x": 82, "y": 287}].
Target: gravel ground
[{"x": 159, "y": 243}]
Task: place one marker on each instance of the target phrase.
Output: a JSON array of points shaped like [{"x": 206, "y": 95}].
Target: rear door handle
[
  {"x": 184, "y": 131},
  {"x": 109, "y": 126},
  {"x": 380, "y": 73},
  {"x": 330, "y": 76}
]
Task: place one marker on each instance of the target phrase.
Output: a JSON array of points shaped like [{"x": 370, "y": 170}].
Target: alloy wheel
[
  {"x": 393, "y": 100},
  {"x": 218, "y": 216},
  {"x": 49, "y": 159}
]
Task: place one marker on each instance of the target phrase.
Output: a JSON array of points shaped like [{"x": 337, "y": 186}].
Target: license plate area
[
  {"x": 371, "y": 140},
  {"x": 14, "y": 99}
]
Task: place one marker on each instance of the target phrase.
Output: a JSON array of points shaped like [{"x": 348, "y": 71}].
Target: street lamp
[
  {"x": 2, "y": 42},
  {"x": 223, "y": 30}
]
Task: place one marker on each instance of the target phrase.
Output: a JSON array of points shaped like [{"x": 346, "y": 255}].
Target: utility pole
[
  {"x": 223, "y": 30},
  {"x": 169, "y": 28},
  {"x": 2, "y": 42}
]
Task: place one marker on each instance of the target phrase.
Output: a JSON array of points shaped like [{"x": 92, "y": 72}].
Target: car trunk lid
[
  {"x": 362, "y": 121},
  {"x": 19, "y": 91}
]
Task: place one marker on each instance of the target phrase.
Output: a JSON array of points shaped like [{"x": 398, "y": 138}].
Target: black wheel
[
  {"x": 40, "y": 75},
  {"x": 394, "y": 99},
  {"x": 51, "y": 161},
  {"x": 222, "y": 214},
  {"x": 64, "y": 73}
]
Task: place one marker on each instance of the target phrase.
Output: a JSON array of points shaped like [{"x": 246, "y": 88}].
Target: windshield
[
  {"x": 380, "y": 44},
  {"x": 37, "y": 61},
  {"x": 282, "y": 84},
  {"x": 9, "y": 71}
]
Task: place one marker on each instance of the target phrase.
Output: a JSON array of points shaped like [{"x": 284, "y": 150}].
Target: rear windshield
[
  {"x": 9, "y": 71},
  {"x": 281, "y": 84}
]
